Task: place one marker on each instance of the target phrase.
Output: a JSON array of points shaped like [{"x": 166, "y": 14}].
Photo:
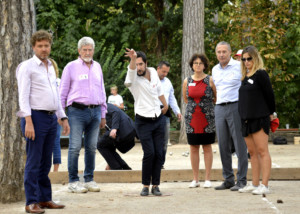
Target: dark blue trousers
[
  {"x": 39, "y": 155},
  {"x": 151, "y": 135}
]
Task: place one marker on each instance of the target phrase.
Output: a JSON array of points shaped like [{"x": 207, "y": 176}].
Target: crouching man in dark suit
[{"x": 120, "y": 134}]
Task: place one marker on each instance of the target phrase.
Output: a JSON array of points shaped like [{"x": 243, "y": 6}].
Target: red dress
[{"x": 199, "y": 116}]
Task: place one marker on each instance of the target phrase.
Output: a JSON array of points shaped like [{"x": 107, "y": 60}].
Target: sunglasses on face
[{"x": 247, "y": 59}]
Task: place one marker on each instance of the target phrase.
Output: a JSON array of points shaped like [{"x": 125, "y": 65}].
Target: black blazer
[{"x": 118, "y": 119}]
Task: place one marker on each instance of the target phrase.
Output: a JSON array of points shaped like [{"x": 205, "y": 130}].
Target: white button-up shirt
[
  {"x": 227, "y": 81},
  {"x": 169, "y": 95},
  {"x": 145, "y": 92},
  {"x": 37, "y": 88}
]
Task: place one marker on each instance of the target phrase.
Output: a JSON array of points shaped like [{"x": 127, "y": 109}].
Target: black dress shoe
[
  {"x": 224, "y": 186},
  {"x": 155, "y": 191},
  {"x": 145, "y": 191}
]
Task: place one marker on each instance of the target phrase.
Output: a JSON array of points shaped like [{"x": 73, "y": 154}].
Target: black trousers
[
  {"x": 107, "y": 149},
  {"x": 151, "y": 134}
]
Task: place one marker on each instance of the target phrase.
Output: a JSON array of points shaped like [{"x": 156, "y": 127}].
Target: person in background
[
  {"x": 199, "y": 93},
  {"x": 120, "y": 131},
  {"x": 256, "y": 108},
  {"x": 144, "y": 84},
  {"x": 163, "y": 69},
  {"x": 227, "y": 78},
  {"x": 115, "y": 98},
  {"x": 238, "y": 55},
  {"x": 82, "y": 91},
  {"x": 56, "y": 146},
  {"x": 39, "y": 110}
]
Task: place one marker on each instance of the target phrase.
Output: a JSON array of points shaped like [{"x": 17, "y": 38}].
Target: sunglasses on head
[{"x": 248, "y": 59}]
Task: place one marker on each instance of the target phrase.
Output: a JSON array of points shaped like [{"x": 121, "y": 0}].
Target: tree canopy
[{"x": 156, "y": 27}]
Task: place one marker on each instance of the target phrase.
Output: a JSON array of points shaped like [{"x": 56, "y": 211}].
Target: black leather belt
[
  {"x": 45, "y": 111},
  {"x": 227, "y": 103},
  {"x": 147, "y": 118},
  {"x": 82, "y": 106}
]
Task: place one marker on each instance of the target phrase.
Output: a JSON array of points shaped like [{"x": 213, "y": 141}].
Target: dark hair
[
  {"x": 161, "y": 63},
  {"x": 203, "y": 59},
  {"x": 142, "y": 55},
  {"x": 39, "y": 36}
]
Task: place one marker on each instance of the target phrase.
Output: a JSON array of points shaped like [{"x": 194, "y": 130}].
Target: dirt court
[
  {"x": 283, "y": 156},
  {"x": 116, "y": 198},
  {"x": 124, "y": 198}
]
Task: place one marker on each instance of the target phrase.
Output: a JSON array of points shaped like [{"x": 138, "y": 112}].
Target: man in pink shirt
[{"x": 82, "y": 91}]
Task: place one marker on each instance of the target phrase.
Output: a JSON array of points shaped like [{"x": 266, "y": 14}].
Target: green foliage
[
  {"x": 273, "y": 27},
  {"x": 155, "y": 27},
  {"x": 146, "y": 25},
  {"x": 114, "y": 71}
]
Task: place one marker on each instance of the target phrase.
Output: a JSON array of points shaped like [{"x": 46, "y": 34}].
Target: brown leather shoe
[
  {"x": 34, "y": 208},
  {"x": 51, "y": 205}
]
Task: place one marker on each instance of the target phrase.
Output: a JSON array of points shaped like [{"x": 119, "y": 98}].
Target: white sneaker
[
  {"x": 76, "y": 187},
  {"x": 207, "y": 184},
  {"x": 248, "y": 188},
  {"x": 262, "y": 189},
  {"x": 92, "y": 186},
  {"x": 194, "y": 184}
]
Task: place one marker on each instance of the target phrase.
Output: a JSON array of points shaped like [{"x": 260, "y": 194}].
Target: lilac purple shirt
[
  {"x": 37, "y": 88},
  {"x": 82, "y": 84}
]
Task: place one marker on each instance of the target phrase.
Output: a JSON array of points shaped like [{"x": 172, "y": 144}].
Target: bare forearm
[{"x": 163, "y": 100}]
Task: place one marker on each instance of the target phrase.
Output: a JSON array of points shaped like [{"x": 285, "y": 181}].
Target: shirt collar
[
  {"x": 39, "y": 62},
  {"x": 82, "y": 62},
  {"x": 231, "y": 62}
]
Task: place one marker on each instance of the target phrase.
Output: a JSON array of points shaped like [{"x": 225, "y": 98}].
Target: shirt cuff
[
  {"x": 23, "y": 114},
  {"x": 60, "y": 114}
]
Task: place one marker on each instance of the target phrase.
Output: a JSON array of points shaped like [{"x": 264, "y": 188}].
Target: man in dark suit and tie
[{"x": 120, "y": 135}]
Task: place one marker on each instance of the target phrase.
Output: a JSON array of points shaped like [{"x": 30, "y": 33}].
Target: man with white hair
[{"x": 82, "y": 91}]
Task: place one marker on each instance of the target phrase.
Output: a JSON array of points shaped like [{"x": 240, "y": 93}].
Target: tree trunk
[
  {"x": 159, "y": 13},
  {"x": 17, "y": 21},
  {"x": 192, "y": 42}
]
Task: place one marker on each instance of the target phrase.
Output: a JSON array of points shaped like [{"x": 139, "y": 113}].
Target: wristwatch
[{"x": 63, "y": 118}]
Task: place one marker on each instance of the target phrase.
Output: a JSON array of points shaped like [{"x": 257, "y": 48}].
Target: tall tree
[
  {"x": 192, "y": 42},
  {"x": 17, "y": 21}
]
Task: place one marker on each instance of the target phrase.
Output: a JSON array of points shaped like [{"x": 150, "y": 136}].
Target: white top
[
  {"x": 37, "y": 88},
  {"x": 227, "y": 81},
  {"x": 145, "y": 92},
  {"x": 169, "y": 95},
  {"x": 115, "y": 99}
]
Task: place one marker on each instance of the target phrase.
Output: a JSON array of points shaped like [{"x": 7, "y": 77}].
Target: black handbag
[{"x": 279, "y": 140}]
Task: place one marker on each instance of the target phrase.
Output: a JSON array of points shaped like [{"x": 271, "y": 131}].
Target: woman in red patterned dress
[{"x": 199, "y": 93}]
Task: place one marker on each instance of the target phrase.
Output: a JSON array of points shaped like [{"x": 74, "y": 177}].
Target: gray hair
[
  {"x": 224, "y": 43},
  {"x": 86, "y": 41}
]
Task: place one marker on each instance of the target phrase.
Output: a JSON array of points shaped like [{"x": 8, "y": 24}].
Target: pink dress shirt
[{"x": 82, "y": 84}]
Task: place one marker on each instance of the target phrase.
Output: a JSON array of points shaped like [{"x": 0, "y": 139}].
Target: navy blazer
[{"x": 118, "y": 119}]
